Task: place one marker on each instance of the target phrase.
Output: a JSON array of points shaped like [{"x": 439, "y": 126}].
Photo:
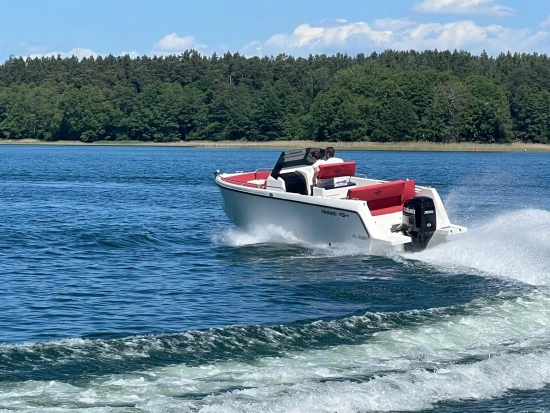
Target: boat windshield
[{"x": 294, "y": 159}]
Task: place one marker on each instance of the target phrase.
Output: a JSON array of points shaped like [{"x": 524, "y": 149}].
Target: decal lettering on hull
[{"x": 334, "y": 214}]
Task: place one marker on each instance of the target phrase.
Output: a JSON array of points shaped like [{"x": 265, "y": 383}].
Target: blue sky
[{"x": 296, "y": 27}]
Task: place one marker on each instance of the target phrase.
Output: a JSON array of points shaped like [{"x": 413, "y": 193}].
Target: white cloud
[
  {"x": 308, "y": 38},
  {"x": 468, "y": 35},
  {"x": 545, "y": 24},
  {"x": 77, "y": 52},
  {"x": 168, "y": 45},
  {"x": 462, "y": 7},
  {"x": 172, "y": 44},
  {"x": 80, "y": 53},
  {"x": 392, "y": 24},
  {"x": 132, "y": 54},
  {"x": 254, "y": 48},
  {"x": 404, "y": 34}
]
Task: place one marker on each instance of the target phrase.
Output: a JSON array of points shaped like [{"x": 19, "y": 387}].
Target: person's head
[
  {"x": 316, "y": 155},
  {"x": 330, "y": 152}
]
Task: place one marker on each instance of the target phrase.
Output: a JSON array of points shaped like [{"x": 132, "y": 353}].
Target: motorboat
[{"x": 348, "y": 208}]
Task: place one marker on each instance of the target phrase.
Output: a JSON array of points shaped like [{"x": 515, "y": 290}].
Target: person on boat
[
  {"x": 317, "y": 159},
  {"x": 316, "y": 162},
  {"x": 329, "y": 154}
]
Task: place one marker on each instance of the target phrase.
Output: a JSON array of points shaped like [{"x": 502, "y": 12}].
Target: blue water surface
[{"x": 119, "y": 262}]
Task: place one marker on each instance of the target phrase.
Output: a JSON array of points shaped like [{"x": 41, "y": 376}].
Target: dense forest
[{"x": 436, "y": 96}]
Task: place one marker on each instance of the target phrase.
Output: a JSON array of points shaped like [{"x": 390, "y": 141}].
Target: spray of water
[
  {"x": 274, "y": 235},
  {"x": 261, "y": 235},
  {"x": 515, "y": 245}
]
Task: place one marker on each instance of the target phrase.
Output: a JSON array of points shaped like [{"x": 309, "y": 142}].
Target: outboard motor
[{"x": 419, "y": 222}]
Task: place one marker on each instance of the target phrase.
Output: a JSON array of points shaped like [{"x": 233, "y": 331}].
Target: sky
[{"x": 267, "y": 27}]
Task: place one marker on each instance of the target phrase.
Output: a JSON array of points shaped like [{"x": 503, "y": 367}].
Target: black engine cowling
[{"x": 419, "y": 222}]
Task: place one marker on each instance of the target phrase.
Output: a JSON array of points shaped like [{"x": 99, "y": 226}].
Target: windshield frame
[{"x": 295, "y": 158}]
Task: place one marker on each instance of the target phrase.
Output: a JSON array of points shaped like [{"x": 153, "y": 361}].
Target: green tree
[
  {"x": 29, "y": 112},
  {"x": 161, "y": 104},
  {"x": 487, "y": 118},
  {"x": 340, "y": 115},
  {"x": 242, "y": 105},
  {"x": 531, "y": 114},
  {"x": 444, "y": 119},
  {"x": 396, "y": 121},
  {"x": 85, "y": 114},
  {"x": 193, "y": 113},
  {"x": 268, "y": 115}
]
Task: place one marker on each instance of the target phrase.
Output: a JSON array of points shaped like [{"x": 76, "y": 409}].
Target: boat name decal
[
  {"x": 409, "y": 210},
  {"x": 361, "y": 237},
  {"x": 333, "y": 213}
]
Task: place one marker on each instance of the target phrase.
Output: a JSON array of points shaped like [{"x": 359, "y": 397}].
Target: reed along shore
[{"x": 353, "y": 146}]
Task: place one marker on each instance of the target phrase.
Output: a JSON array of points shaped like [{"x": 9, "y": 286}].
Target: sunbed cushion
[{"x": 384, "y": 198}]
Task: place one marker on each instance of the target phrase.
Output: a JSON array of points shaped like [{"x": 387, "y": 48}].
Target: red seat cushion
[
  {"x": 244, "y": 177},
  {"x": 262, "y": 174},
  {"x": 335, "y": 170},
  {"x": 408, "y": 191},
  {"x": 378, "y": 191},
  {"x": 384, "y": 198},
  {"x": 389, "y": 210}
]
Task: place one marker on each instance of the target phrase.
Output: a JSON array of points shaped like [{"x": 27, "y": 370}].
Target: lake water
[{"x": 126, "y": 289}]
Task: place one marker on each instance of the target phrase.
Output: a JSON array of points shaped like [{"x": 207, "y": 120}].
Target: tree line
[{"x": 436, "y": 96}]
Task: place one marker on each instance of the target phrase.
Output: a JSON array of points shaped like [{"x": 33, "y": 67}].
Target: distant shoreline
[{"x": 366, "y": 146}]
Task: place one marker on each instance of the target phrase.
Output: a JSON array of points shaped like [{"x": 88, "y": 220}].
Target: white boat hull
[
  {"x": 368, "y": 213},
  {"x": 310, "y": 222}
]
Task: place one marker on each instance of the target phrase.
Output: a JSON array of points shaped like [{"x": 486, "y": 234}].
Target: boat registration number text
[{"x": 334, "y": 213}]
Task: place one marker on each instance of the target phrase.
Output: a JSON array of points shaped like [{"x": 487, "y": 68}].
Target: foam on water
[
  {"x": 272, "y": 234},
  {"x": 234, "y": 237},
  {"x": 408, "y": 391},
  {"x": 476, "y": 351},
  {"x": 515, "y": 245}
]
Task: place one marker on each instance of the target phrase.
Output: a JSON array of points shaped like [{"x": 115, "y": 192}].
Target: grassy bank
[{"x": 367, "y": 146}]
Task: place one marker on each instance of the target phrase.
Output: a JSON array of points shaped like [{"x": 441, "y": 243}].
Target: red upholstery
[
  {"x": 388, "y": 210},
  {"x": 408, "y": 191},
  {"x": 262, "y": 174},
  {"x": 384, "y": 198},
  {"x": 335, "y": 170},
  {"x": 243, "y": 178}
]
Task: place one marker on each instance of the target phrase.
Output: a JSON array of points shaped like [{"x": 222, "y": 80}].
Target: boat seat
[
  {"x": 336, "y": 175},
  {"x": 250, "y": 179},
  {"x": 262, "y": 174},
  {"x": 384, "y": 198},
  {"x": 337, "y": 184},
  {"x": 336, "y": 170}
]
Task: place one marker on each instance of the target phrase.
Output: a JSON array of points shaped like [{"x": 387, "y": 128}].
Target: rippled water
[{"x": 126, "y": 289}]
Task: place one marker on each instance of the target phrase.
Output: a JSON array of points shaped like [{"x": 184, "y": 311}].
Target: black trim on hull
[{"x": 298, "y": 202}]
